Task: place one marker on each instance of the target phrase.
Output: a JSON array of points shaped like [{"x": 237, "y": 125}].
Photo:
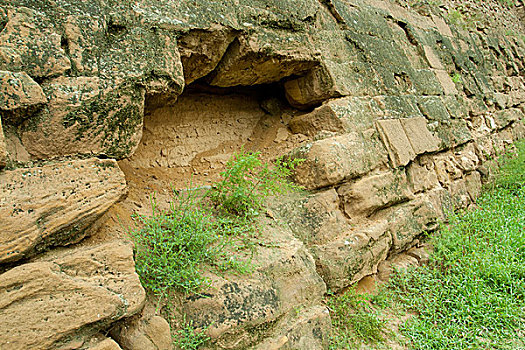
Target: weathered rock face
[
  {"x": 61, "y": 301},
  {"x": 53, "y": 204},
  {"x": 396, "y": 111}
]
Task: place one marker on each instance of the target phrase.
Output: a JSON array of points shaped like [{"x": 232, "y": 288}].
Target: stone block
[
  {"x": 18, "y": 94},
  {"x": 337, "y": 159},
  {"x": 69, "y": 297},
  {"x": 375, "y": 192},
  {"x": 446, "y": 82},
  {"x": 421, "y": 140},
  {"x": 396, "y": 142},
  {"x": 53, "y": 204}
]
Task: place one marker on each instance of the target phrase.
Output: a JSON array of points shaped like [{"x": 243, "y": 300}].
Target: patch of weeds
[
  {"x": 172, "y": 246},
  {"x": 471, "y": 295},
  {"x": 189, "y": 338},
  {"x": 354, "y": 322},
  {"x": 247, "y": 181}
]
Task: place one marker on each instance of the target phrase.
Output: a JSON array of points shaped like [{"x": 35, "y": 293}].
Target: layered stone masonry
[{"x": 403, "y": 113}]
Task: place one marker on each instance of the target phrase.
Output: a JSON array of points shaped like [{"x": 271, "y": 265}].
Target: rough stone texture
[
  {"x": 18, "y": 93},
  {"x": 353, "y": 255},
  {"x": 422, "y": 175},
  {"x": 315, "y": 219},
  {"x": 144, "y": 333},
  {"x": 421, "y": 140},
  {"x": 100, "y": 342},
  {"x": 304, "y": 328},
  {"x": 263, "y": 58},
  {"x": 374, "y": 80},
  {"x": 342, "y": 115},
  {"x": 334, "y": 160},
  {"x": 30, "y": 43},
  {"x": 53, "y": 204},
  {"x": 242, "y": 310},
  {"x": 85, "y": 117},
  {"x": 396, "y": 141},
  {"x": 375, "y": 192},
  {"x": 67, "y": 298},
  {"x": 3, "y": 147}
]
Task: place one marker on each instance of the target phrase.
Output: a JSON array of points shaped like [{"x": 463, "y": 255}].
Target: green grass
[
  {"x": 472, "y": 293},
  {"x": 354, "y": 322},
  {"x": 189, "y": 338}
]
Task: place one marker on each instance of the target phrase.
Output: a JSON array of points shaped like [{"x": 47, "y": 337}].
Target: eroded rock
[
  {"x": 30, "y": 43},
  {"x": 354, "y": 255},
  {"x": 86, "y": 115},
  {"x": 336, "y": 159},
  {"x": 53, "y": 204},
  {"x": 18, "y": 93},
  {"x": 144, "y": 333},
  {"x": 241, "y": 310},
  {"x": 303, "y": 328},
  {"x": 67, "y": 298},
  {"x": 3, "y": 148},
  {"x": 375, "y": 192}
]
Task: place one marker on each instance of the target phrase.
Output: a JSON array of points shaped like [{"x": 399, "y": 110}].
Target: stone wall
[{"x": 398, "y": 109}]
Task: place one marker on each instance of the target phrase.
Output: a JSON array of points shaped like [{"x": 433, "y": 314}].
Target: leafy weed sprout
[
  {"x": 353, "y": 321},
  {"x": 172, "y": 246}
]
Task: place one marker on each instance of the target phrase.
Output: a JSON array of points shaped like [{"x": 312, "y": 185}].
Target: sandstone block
[
  {"x": 396, "y": 107},
  {"x": 250, "y": 61},
  {"x": 473, "y": 184},
  {"x": 422, "y": 174},
  {"x": 306, "y": 328},
  {"x": 446, "y": 82},
  {"x": 70, "y": 297},
  {"x": 396, "y": 141},
  {"x": 459, "y": 192},
  {"x": 285, "y": 278},
  {"x": 354, "y": 255},
  {"x": 18, "y": 92},
  {"x": 144, "y": 333},
  {"x": 409, "y": 220},
  {"x": 102, "y": 344},
  {"x": 84, "y": 116},
  {"x": 316, "y": 86},
  {"x": 432, "y": 58},
  {"x": 433, "y": 108},
  {"x": 420, "y": 138},
  {"x": 452, "y": 133},
  {"x": 447, "y": 168},
  {"x": 53, "y": 204},
  {"x": 375, "y": 192},
  {"x": 466, "y": 158},
  {"x": 3, "y": 148},
  {"x": 336, "y": 159},
  {"x": 202, "y": 49},
  {"x": 314, "y": 219},
  {"x": 507, "y": 116},
  {"x": 29, "y": 43},
  {"x": 341, "y": 115}
]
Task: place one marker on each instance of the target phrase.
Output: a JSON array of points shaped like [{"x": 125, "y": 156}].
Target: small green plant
[
  {"x": 246, "y": 182},
  {"x": 353, "y": 321},
  {"x": 189, "y": 338},
  {"x": 456, "y": 78},
  {"x": 173, "y": 245}
]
